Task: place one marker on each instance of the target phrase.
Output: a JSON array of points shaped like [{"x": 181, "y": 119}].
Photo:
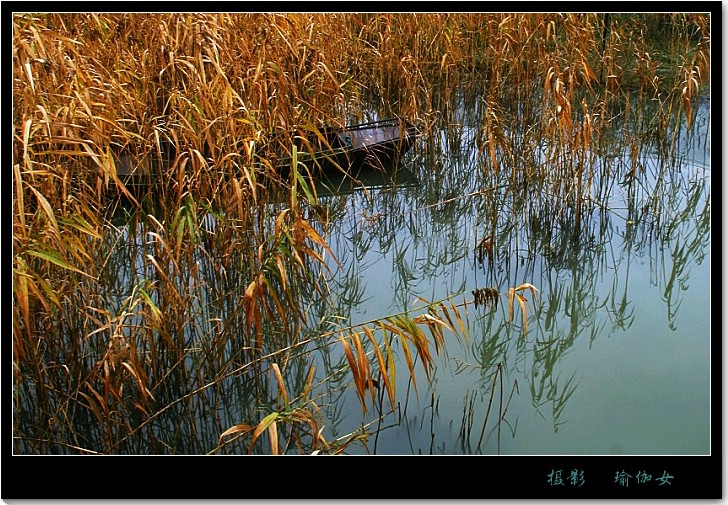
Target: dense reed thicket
[{"x": 206, "y": 104}]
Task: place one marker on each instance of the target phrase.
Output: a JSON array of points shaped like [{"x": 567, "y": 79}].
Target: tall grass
[{"x": 114, "y": 329}]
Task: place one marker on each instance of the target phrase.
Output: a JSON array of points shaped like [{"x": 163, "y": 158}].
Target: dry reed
[{"x": 205, "y": 105}]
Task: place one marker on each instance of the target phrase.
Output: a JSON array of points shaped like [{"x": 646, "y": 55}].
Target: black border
[{"x": 357, "y": 477}]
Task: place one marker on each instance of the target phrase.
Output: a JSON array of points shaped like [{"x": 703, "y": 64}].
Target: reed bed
[{"x": 215, "y": 293}]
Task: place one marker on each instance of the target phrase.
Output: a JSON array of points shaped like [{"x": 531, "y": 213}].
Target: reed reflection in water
[{"x": 614, "y": 349}]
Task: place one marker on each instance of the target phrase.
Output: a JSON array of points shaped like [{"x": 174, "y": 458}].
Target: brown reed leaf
[
  {"x": 511, "y": 296},
  {"x": 261, "y": 427},
  {"x": 22, "y": 230},
  {"x": 48, "y": 210},
  {"x": 138, "y": 378},
  {"x": 238, "y": 428},
  {"x": 29, "y": 73},
  {"x": 527, "y": 286},
  {"x": 435, "y": 325},
  {"x": 309, "y": 382},
  {"x": 410, "y": 364},
  {"x": 38, "y": 286},
  {"x": 20, "y": 291},
  {"x": 515, "y": 293},
  {"x": 279, "y": 221},
  {"x": 410, "y": 331},
  {"x": 383, "y": 368},
  {"x": 463, "y": 327},
  {"x": 391, "y": 363},
  {"x": 270, "y": 291},
  {"x": 100, "y": 401},
  {"x": 320, "y": 437},
  {"x": 282, "y": 271},
  {"x": 252, "y": 316},
  {"x": 140, "y": 407},
  {"x": 92, "y": 405},
  {"x": 491, "y": 150},
  {"x": 363, "y": 364},
  {"x": 522, "y": 303},
  {"x": 281, "y": 384},
  {"x": 168, "y": 282},
  {"x": 359, "y": 380},
  {"x": 303, "y": 230},
  {"x": 330, "y": 74},
  {"x": 273, "y": 434},
  {"x": 238, "y": 198}
]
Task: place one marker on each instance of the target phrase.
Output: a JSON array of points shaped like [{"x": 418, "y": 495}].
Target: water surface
[{"x": 616, "y": 359}]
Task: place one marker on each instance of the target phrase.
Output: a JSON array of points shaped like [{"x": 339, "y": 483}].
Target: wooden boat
[{"x": 374, "y": 144}]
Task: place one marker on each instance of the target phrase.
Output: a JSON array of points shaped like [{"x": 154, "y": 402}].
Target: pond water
[{"x": 616, "y": 356}]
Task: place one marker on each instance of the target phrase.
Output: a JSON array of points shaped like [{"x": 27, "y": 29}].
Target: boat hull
[{"x": 378, "y": 144}]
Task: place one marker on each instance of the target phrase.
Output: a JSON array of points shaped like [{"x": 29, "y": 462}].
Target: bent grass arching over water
[{"x": 205, "y": 324}]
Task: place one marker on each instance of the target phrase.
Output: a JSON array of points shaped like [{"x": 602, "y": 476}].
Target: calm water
[{"x": 616, "y": 359}]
